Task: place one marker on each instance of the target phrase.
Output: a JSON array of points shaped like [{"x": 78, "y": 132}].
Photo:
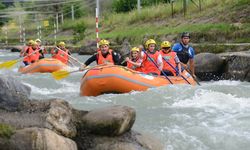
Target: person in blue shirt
[{"x": 185, "y": 52}]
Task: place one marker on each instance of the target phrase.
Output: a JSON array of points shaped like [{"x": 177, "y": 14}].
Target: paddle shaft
[
  {"x": 176, "y": 70},
  {"x": 189, "y": 71},
  {"x": 27, "y": 55},
  {"x": 70, "y": 56},
  {"x": 157, "y": 67}
]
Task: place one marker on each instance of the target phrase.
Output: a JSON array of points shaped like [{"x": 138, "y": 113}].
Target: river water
[{"x": 213, "y": 116}]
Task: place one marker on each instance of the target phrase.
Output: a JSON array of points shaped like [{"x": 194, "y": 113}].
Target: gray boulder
[
  {"x": 12, "y": 93},
  {"x": 209, "y": 66},
  {"x": 125, "y": 49},
  {"x": 238, "y": 65},
  {"x": 128, "y": 141},
  {"x": 38, "y": 139},
  {"x": 53, "y": 114},
  {"x": 88, "y": 49},
  {"x": 109, "y": 121}
]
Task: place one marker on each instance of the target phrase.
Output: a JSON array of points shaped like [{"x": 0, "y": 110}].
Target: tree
[{"x": 3, "y": 20}]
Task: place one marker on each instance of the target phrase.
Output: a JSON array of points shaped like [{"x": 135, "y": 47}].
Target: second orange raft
[
  {"x": 46, "y": 65},
  {"x": 118, "y": 79}
]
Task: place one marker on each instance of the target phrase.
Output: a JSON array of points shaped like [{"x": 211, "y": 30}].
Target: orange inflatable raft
[
  {"x": 46, "y": 65},
  {"x": 118, "y": 79}
]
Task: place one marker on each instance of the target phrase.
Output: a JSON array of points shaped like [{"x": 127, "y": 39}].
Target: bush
[
  {"x": 5, "y": 131},
  {"x": 79, "y": 31},
  {"x": 128, "y": 5}
]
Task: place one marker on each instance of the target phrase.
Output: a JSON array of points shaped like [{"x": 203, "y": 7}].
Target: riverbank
[{"x": 199, "y": 48}]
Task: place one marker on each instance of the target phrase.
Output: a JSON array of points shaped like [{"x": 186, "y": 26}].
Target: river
[{"x": 213, "y": 116}]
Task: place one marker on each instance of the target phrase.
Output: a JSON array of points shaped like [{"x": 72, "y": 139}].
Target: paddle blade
[
  {"x": 1, "y": 65},
  {"x": 58, "y": 75},
  {"x": 8, "y": 64}
]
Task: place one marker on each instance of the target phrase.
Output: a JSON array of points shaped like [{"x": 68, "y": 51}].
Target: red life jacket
[
  {"x": 31, "y": 55},
  {"x": 148, "y": 66},
  {"x": 63, "y": 56},
  {"x": 133, "y": 67},
  {"x": 108, "y": 58},
  {"x": 170, "y": 58}
]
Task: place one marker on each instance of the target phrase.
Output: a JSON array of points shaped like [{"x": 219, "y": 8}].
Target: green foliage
[
  {"x": 79, "y": 31},
  {"x": 5, "y": 131},
  {"x": 128, "y": 5},
  {"x": 2, "y": 20},
  {"x": 123, "y": 5},
  {"x": 78, "y": 11},
  {"x": 2, "y": 6}
]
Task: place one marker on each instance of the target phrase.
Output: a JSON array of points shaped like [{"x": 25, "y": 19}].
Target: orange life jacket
[
  {"x": 24, "y": 50},
  {"x": 61, "y": 55},
  {"x": 42, "y": 51},
  {"x": 148, "y": 66},
  {"x": 131, "y": 66},
  {"x": 31, "y": 55},
  {"x": 170, "y": 58},
  {"x": 108, "y": 58}
]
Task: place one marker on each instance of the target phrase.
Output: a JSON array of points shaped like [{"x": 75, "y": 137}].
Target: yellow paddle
[
  {"x": 60, "y": 74},
  {"x": 9, "y": 64}
]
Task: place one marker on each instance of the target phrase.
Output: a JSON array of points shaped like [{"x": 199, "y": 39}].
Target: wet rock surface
[
  {"x": 230, "y": 66},
  {"x": 54, "y": 124}
]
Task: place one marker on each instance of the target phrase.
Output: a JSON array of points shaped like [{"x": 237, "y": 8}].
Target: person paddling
[
  {"x": 171, "y": 62},
  {"x": 104, "y": 55},
  {"x": 134, "y": 61},
  {"x": 61, "y": 53},
  {"x": 150, "y": 67},
  {"x": 31, "y": 53},
  {"x": 41, "y": 49},
  {"x": 185, "y": 52}
]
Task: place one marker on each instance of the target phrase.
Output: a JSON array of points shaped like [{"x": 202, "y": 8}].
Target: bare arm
[{"x": 137, "y": 64}]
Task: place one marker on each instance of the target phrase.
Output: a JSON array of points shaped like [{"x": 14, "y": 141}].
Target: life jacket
[
  {"x": 41, "y": 54},
  {"x": 170, "y": 57},
  {"x": 133, "y": 67},
  {"x": 102, "y": 60},
  {"x": 24, "y": 50},
  {"x": 183, "y": 55},
  {"x": 148, "y": 65},
  {"x": 61, "y": 55},
  {"x": 31, "y": 56}
]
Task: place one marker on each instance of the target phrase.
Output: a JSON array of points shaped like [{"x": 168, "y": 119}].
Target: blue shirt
[{"x": 178, "y": 48}]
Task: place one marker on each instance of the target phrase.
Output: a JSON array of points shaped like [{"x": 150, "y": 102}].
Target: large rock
[
  {"x": 88, "y": 49},
  {"x": 125, "y": 49},
  {"x": 14, "y": 49},
  {"x": 109, "y": 121},
  {"x": 39, "y": 139},
  {"x": 238, "y": 65},
  {"x": 12, "y": 93},
  {"x": 128, "y": 141},
  {"x": 53, "y": 114},
  {"x": 208, "y": 66}
]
